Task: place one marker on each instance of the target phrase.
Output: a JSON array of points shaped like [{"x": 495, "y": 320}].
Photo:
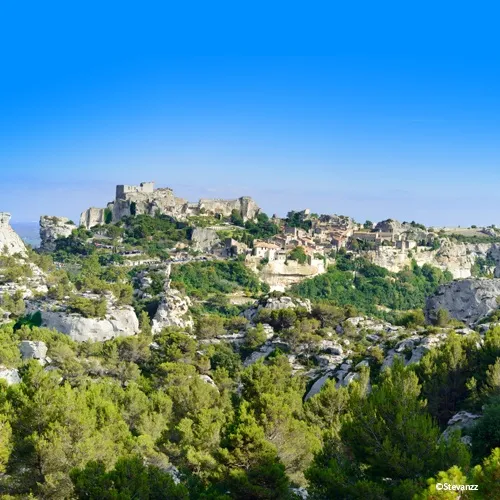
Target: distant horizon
[{"x": 76, "y": 218}]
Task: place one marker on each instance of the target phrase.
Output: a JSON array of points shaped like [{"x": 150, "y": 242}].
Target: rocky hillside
[{"x": 245, "y": 357}]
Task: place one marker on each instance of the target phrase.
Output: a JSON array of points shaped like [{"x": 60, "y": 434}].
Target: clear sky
[{"x": 374, "y": 110}]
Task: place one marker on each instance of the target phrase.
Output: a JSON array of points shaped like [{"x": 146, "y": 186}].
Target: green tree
[
  {"x": 209, "y": 326},
  {"x": 391, "y": 432},
  {"x": 130, "y": 479},
  {"x": 486, "y": 432},
  {"x": 298, "y": 254},
  {"x": 236, "y": 218},
  {"x": 255, "y": 337}
]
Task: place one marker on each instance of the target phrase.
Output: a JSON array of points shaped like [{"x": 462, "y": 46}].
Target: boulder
[
  {"x": 467, "y": 300},
  {"x": 462, "y": 421},
  {"x": 330, "y": 347},
  {"x": 262, "y": 353},
  {"x": 118, "y": 322},
  {"x": 276, "y": 304},
  {"x": 208, "y": 380},
  {"x": 10, "y": 375},
  {"x": 33, "y": 349}
]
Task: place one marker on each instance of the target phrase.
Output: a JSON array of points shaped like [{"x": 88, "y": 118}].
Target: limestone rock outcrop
[
  {"x": 464, "y": 422},
  {"x": 467, "y": 300},
  {"x": 204, "y": 239},
  {"x": 10, "y": 241},
  {"x": 457, "y": 258},
  {"x": 145, "y": 199},
  {"x": 172, "y": 311},
  {"x": 92, "y": 217},
  {"x": 119, "y": 321},
  {"x": 10, "y": 375},
  {"x": 279, "y": 274},
  {"x": 275, "y": 304},
  {"x": 33, "y": 349},
  {"x": 52, "y": 228}
]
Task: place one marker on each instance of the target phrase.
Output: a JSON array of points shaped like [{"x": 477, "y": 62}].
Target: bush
[{"x": 88, "y": 308}]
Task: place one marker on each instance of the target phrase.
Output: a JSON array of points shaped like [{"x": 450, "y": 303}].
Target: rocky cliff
[
  {"x": 279, "y": 274},
  {"x": 467, "y": 300},
  {"x": 204, "y": 239},
  {"x": 10, "y": 241},
  {"x": 92, "y": 217},
  {"x": 457, "y": 258},
  {"x": 52, "y": 228}
]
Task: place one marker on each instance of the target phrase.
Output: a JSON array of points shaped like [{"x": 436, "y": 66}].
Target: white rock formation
[
  {"x": 204, "y": 239},
  {"x": 32, "y": 349},
  {"x": 279, "y": 274},
  {"x": 10, "y": 241},
  {"x": 457, "y": 258},
  {"x": 10, "y": 375},
  {"x": 317, "y": 386},
  {"x": 172, "y": 311},
  {"x": 92, "y": 217},
  {"x": 119, "y": 323},
  {"x": 275, "y": 304},
  {"x": 262, "y": 353},
  {"x": 467, "y": 300},
  {"x": 52, "y": 228}
]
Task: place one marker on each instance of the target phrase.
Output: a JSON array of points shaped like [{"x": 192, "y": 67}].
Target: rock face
[
  {"x": 275, "y": 304},
  {"x": 172, "y": 311},
  {"x": 52, "y": 228},
  {"x": 10, "y": 241},
  {"x": 457, "y": 258},
  {"x": 33, "y": 350},
  {"x": 467, "y": 300},
  {"x": 279, "y": 274},
  {"x": 204, "y": 239},
  {"x": 92, "y": 217},
  {"x": 10, "y": 375},
  {"x": 119, "y": 321},
  {"x": 145, "y": 199},
  {"x": 462, "y": 421}
]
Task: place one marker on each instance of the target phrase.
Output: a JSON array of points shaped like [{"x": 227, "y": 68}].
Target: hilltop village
[
  {"x": 230, "y": 228},
  {"x": 223, "y": 353}
]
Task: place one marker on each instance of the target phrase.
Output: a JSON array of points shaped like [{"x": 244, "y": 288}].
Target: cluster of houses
[{"x": 327, "y": 233}]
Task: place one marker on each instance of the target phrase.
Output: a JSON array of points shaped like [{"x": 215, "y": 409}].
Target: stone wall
[
  {"x": 145, "y": 200},
  {"x": 144, "y": 187}
]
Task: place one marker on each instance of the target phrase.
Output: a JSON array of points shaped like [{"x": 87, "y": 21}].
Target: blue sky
[{"x": 374, "y": 111}]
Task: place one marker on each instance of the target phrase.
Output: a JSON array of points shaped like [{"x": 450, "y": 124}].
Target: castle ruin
[
  {"x": 145, "y": 199},
  {"x": 144, "y": 187}
]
